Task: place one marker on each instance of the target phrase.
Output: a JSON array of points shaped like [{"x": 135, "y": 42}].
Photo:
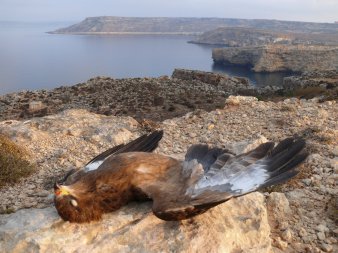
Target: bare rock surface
[
  {"x": 71, "y": 138},
  {"x": 239, "y": 225},
  {"x": 272, "y": 58}
]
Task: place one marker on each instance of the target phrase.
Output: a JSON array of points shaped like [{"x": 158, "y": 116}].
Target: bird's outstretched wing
[
  {"x": 225, "y": 175},
  {"x": 145, "y": 143}
]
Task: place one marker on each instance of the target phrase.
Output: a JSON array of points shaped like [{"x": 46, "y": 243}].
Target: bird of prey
[{"x": 179, "y": 190}]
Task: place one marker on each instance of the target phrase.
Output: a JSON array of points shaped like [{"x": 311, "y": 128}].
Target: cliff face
[
  {"x": 108, "y": 24},
  {"x": 273, "y": 58}
]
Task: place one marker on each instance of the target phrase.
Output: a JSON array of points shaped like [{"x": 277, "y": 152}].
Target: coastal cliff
[{"x": 271, "y": 58}]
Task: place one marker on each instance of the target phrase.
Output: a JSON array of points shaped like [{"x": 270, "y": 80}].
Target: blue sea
[{"x": 32, "y": 59}]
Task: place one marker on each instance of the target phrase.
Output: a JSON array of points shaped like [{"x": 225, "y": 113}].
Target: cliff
[
  {"x": 273, "y": 58},
  {"x": 244, "y": 37},
  {"x": 107, "y": 24}
]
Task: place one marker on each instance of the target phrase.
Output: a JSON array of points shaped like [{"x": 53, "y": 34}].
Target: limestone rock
[
  {"x": 238, "y": 100},
  {"x": 247, "y": 145},
  {"x": 271, "y": 58},
  {"x": 240, "y": 225},
  {"x": 279, "y": 204}
]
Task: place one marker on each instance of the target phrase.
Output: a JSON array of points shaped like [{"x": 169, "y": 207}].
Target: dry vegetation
[{"x": 14, "y": 162}]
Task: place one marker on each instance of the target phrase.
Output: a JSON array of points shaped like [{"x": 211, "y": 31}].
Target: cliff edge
[{"x": 272, "y": 58}]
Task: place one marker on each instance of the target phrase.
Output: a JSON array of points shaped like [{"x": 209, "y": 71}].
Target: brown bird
[{"x": 179, "y": 189}]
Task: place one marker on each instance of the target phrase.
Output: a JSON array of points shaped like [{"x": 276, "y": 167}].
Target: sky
[{"x": 77, "y": 10}]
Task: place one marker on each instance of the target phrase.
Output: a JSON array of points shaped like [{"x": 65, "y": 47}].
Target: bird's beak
[
  {"x": 56, "y": 186},
  {"x": 60, "y": 190}
]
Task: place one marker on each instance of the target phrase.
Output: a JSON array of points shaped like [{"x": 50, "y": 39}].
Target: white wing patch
[
  {"x": 93, "y": 165},
  {"x": 239, "y": 182},
  {"x": 250, "y": 179}
]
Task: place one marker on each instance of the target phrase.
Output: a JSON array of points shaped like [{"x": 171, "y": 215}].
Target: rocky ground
[
  {"x": 161, "y": 98},
  {"x": 302, "y": 218},
  {"x": 80, "y": 121},
  {"x": 141, "y": 98}
]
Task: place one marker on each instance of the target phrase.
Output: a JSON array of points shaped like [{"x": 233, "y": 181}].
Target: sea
[{"x": 32, "y": 59}]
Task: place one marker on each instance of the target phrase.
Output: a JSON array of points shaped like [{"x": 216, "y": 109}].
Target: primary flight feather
[{"x": 179, "y": 189}]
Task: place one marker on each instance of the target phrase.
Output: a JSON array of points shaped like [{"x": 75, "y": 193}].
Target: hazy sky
[{"x": 76, "y": 10}]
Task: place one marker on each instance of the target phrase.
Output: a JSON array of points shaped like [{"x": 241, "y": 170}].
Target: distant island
[
  {"x": 260, "y": 44},
  {"x": 165, "y": 25}
]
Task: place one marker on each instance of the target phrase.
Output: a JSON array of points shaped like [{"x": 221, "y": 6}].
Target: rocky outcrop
[
  {"x": 324, "y": 79},
  {"x": 280, "y": 58},
  {"x": 250, "y": 37},
  {"x": 324, "y": 84},
  {"x": 221, "y": 81},
  {"x": 141, "y": 98},
  {"x": 240, "y": 225},
  {"x": 163, "y": 25}
]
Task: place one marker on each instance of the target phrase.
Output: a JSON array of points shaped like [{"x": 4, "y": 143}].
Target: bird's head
[{"x": 74, "y": 206}]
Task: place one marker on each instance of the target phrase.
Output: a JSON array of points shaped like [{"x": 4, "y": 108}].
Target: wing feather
[
  {"x": 261, "y": 167},
  {"x": 145, "y": 143},
  {"x": 230, "y": 176}
]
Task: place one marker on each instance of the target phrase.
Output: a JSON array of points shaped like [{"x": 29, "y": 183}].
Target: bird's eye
[{"x": 74, "y": 202}]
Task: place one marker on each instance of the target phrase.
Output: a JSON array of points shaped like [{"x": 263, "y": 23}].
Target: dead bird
[{"x": 179, "y": 190}]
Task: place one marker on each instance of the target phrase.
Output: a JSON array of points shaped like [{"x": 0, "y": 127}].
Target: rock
[
  {"x": 240, "y": 100},
  {"x": 238, "y": 225},
  {"x": 281, "y": 244},
  {"x": 326, "y": 247},
  {"x": 247, "y": 145},
  {"x": 335, "y": 151},
  {"x": 307, "y": 181},
  {"x": 302, "y": 232},
  {"x": 278, "y": 206},
  {"x": 334, "y": 162},
  {"x": 322, "y": 228},
  {"x": 35, "y": 106},
  {"x": 287, "y": 235},
  {"x": 223, "y": 81},
  {"x": 321, "y": 236},
  {"x": 272, "y": 58}
]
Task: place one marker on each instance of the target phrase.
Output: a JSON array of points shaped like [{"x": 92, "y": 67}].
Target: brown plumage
[{"x": 179, "y": 189}]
